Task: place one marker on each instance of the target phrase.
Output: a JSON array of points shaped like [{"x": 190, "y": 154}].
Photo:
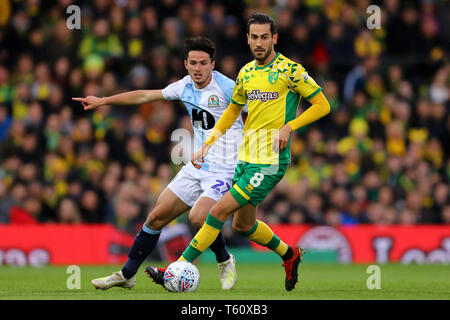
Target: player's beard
[{"x": 263, "y": 58}]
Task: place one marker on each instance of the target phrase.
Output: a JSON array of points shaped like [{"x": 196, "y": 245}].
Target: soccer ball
[{"x": 181, "y": 276}]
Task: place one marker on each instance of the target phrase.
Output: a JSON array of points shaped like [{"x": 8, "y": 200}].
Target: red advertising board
[
  {"x": 103, "y": 244},
  {"x": 369, "y": 243},
  {"x": 62, "y": 244}
]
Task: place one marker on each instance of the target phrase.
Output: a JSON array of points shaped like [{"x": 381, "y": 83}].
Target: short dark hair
[
  {"x": 200, "y": 44},
  {"x": 261, "y": 18}
]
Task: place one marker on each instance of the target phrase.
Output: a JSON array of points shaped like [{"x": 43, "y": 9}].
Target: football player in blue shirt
[{"x": 206, "y": 94}]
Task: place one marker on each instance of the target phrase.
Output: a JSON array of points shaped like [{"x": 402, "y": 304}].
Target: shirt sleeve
[
  {"x": 239, "y": 95},
  {"x": 174, "y": 90},
  {"x": 302, "y": 83},
  {"x": 225, "y": 122},
  {"x": 319, "y": 108},
  {"x": 226, "y": 84}
]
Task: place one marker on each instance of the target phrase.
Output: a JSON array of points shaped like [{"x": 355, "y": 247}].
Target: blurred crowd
[{"x": 380, "y": 157}]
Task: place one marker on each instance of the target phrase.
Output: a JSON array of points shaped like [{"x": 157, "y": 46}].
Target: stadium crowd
[{"x": 380, "y": 157}]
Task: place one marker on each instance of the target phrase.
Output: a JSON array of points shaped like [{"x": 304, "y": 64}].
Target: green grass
[{"x": 256, "y": 281}]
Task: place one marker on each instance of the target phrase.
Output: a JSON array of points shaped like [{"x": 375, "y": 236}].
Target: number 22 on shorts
[{"x": 220, "y": 184}]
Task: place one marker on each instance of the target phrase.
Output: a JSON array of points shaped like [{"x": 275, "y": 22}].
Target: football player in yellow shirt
[{"x": 272, "y": 86}]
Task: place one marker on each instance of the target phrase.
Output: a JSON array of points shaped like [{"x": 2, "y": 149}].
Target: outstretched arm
[{"x": 127, "y": 98}]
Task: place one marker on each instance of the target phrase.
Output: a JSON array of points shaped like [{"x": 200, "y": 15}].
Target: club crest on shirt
[
  {"x": 213, "y": 101},
  {"x": 273, "y": 76}
]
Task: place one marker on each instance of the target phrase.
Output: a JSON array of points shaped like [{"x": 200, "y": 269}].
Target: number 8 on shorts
[
  {"x": 256, "y": 180},
  {"x": 252, "y": 186}
]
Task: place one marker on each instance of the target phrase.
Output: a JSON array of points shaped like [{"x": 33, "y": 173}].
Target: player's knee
[
  {"x": 196, "y": 220},
  {"x": 219, "y": 212},
  {"x": 241, "y": 227},
  {"x": 155, "y": 220}
]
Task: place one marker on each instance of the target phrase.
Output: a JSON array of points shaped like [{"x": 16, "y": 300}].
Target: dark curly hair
[
  {"x": 200, "y": 44},
  {"x": 261, "y": 18}
]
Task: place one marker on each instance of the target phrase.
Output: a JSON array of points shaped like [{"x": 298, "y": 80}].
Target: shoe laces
[
  {"x": 288, "y": 265},
  {"x": 222, "y": 266},
  {"x": 163, "y": 270}
]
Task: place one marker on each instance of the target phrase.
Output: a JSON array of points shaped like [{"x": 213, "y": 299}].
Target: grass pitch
[{"x": 256, "y": 281}]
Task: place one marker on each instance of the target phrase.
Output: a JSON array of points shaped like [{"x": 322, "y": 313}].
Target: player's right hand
[
  {"x": 200, "y": 155},
  {"x": 90, "y": 102}
]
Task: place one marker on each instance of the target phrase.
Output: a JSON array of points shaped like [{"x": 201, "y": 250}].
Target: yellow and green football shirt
[{"x": 273, "y": 92}]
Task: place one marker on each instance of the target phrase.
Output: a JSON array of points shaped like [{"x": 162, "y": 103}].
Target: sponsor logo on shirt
[{"x": 263, "y": 96}]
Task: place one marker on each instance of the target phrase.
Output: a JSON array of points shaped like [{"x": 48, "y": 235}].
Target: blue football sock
[
  {"x": 143, "y": 245},
  {"x": 220, "y": 249}
]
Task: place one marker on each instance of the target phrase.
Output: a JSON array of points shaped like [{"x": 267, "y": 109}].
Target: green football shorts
[{"x": 253, "y": 182}]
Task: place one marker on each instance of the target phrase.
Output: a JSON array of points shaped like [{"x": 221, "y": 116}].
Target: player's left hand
[
  {"x": 199, "y": 155},
  {"x": 282, "y": 138}
]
